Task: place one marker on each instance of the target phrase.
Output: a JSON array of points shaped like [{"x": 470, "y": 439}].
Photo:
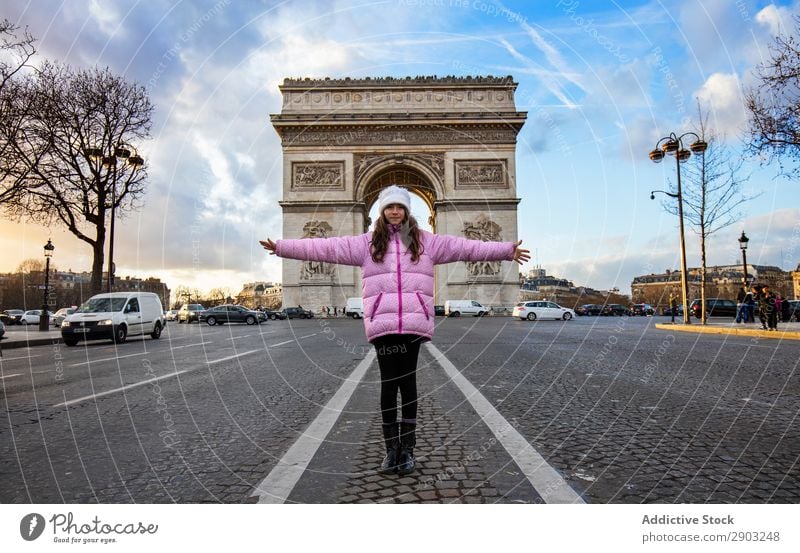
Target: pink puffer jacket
[{"x": 397, "y": 294}]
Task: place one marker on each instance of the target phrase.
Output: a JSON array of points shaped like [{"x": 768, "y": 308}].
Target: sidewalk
[
  {"x": 29, "y": 336},
  {"x": 786, "y": 331}
]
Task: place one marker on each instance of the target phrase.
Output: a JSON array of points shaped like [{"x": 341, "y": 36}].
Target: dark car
[
  {"x": 438, "y": 310},
  {"x": 715, "y": 307},
  {"x": 591, "y": 309},
  {"x": 615, "y": 310},
  {"x": 643, "y": 309},
  {"x": 12, "y": 316},
  {"x": 298, "y": 313},
  {"x": 190, "y": 312},
  {"x": 794, "y": 310},
  {"x": 273, "y": 315},
  {"x": 2, "y": 330},
  {"x": 222, "y": 314}
]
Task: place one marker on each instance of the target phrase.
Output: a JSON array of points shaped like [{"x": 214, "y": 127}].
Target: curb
[
  {"x": 14, "y": 344},
  {"x": 700, "y": 329}
]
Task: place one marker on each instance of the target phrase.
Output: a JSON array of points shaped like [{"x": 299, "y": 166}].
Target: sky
[{"x": 601, "y": 83}]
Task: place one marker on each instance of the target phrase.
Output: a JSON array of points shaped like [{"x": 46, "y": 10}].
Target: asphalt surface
[{"x": 622, "y": 412}]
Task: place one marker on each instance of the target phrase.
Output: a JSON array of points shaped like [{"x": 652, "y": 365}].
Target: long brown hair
[{"x": 380, "y": 238}]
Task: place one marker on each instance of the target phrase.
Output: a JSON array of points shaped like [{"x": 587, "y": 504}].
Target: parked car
[
  {"x": 62, "y": 314},
  {"x": 715, "y": 307},
  {"x": 32, "y": 317},
  {"x": 298, "y": 313},
  {"x": 222, "y": 314},
  {"x": 666, "y": 311},
  {"x": 190, "y": 312},
  {"x": 115, "y": 316},
  {"x": 794, "y": 310},
  {"x": 533, "y": 310},
  {"x": 591, "y": 309},
  {"x": 643, "y": 309},
  {"x": 272, "y": 315},
  {"x": 456, "y": 308},
  {"x": 2, "y": 330},
  {"x": 171, "y": 315},
  {"x": 12, "y": 316},
  {"x": 438, "y": 310},
  {"x": 354, "y": 308},
  {"x": 616, "y": 310}
]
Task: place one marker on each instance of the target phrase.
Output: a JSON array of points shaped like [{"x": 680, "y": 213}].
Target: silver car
[{"x": 62, "y": 314}]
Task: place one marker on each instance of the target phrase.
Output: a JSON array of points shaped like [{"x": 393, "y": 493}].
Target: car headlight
[
  {"x": 65, "y": 324},
  {"x": 105, "y": 322}
]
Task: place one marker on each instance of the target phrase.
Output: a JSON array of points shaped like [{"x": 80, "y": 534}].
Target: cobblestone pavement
[{"x": 623, "y": 412}]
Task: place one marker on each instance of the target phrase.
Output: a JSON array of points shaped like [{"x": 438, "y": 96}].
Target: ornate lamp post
[
  {"x": 121, "y": 152},
  {"x": 673, "y": 145},
  {"x": 743, "y": 240},
  {"x": 44, "y": 318}
]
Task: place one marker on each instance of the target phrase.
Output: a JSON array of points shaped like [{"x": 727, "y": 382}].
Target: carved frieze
[
  {"x": 484, "y": 229},
  {"x": 463, "y": 134},
  {"x": 317, "y": 270},
  {"x": 481, "y": 174},
  {"x": 318, "y": 175}
]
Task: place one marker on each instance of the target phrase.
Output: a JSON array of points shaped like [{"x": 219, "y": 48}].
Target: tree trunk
[
  {"x": 703, "y": 278},
  {"x": 97, "y": 260}
]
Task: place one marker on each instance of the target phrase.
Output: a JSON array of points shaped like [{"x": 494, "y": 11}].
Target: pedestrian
[
  {"x": 397, "y": 260},
  {"x": 673, "y": 305},
  {"x": 749, "y": 304},
  {"x": 785, "y": 310},
  {"x": 335, "y": 311},
  {"x": 741, "y": 312},
  {"x": 762, "y": 315},
  {"x": 769, "y": 317}
]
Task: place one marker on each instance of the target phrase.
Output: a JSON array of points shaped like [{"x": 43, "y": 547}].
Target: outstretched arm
[
  {"x": 344, "y": 250},
  {"x": 446, "y": 249}
]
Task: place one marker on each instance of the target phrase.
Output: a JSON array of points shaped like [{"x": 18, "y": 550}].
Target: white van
[
  {"x": 354, "y": 308},
  {"x": 456, "y": 308},
  {"x": 115, "y": 316}
]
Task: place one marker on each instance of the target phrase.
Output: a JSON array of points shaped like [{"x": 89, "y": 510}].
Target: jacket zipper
[
  {"x": 375, "y": 307},
  {"x": 424, "y": 309},
  {"x": 399, "y": 287}
]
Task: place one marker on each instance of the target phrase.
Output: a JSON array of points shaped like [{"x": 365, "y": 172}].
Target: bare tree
[
  {"x": 16, "y": 50},
  {"x": 712, "y": 193},
  {"x": 219, "y": 295},
  {"x": 72, "y": 154},
  {"x": 774, "y": 104}
]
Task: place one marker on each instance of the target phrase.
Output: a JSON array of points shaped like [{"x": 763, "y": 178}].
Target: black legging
[{"x": 397, "y": 360}]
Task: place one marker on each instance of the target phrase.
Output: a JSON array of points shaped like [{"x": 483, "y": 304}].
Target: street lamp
[
  {"x": 743, "y": 240},
  {"x": 121, "y": 151},
  {"x": 44, "y": 318},
  {"x": 673, "y": 145}
]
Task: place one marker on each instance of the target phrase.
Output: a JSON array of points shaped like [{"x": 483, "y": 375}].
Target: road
[{"x": 611, "y": 409}]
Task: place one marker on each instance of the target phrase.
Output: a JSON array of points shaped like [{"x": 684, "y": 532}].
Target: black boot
[
  {"x": 389, "y": 464},
  {"x": 405, "y": 460}
]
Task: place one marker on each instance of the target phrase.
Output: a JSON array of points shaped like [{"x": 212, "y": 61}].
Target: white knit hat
[{"x": 394, "y": 195}]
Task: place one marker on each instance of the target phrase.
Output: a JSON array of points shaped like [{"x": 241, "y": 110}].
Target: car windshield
[{"x": 102, "y": 305}]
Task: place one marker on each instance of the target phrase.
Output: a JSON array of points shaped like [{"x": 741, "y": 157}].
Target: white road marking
[
  {"x": 281, "y": 344},
  {"x": 115, "y": 390},
  {"x": 191, "y": 345},
  {"x": 544, "y": 478},
  {"x": 280, "y": 482},
  {"x": 232, "y": 357},
  {"x": 237, "y": 337},
  {"x": 109, "y": 359},
  {"x": 308, "y": 336},
  {"x": 10, "y": 376},
  {"x": 17, "y": 358}
]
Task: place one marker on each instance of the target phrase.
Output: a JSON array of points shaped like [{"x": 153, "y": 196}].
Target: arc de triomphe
[{"x": 451, "y": 141}]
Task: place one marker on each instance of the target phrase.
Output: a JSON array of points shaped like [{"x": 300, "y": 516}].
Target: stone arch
[
  {"x": 412, "y": 175},
  {"x": 450, "y": 140}
]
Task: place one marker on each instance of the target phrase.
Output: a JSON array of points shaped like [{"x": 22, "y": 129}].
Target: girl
[{"x": 397, "y": 260}]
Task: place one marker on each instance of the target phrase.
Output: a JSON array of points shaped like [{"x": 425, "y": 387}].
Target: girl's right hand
[{"x": 269, "y": 245}]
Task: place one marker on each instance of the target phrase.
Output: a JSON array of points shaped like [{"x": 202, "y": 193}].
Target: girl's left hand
[
  {"x": 268, "y": 245},
  {"x": 521, "y": 255}
]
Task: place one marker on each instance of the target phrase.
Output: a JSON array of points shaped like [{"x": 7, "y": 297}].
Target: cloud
[
  {"x": 778, "y": 20},
  {"x": 721, "y": 96}
]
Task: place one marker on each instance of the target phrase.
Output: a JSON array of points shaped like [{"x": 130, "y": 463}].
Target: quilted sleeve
[{"x": 343, "y": 250}]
